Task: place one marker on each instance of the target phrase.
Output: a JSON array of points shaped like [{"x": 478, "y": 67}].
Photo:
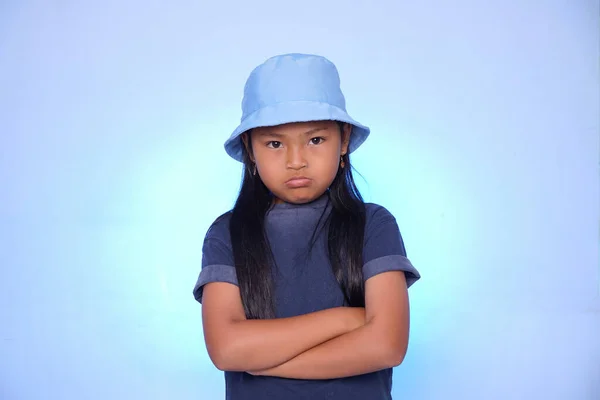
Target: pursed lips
[
  {"x": 298, "y": 181},
  {"x": 295, "y": 178}
]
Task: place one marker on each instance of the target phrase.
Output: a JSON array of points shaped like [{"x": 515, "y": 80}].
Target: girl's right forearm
[{"x": 251, "y": 345}]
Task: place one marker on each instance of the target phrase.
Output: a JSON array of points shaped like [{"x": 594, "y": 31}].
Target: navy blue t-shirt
[{"x": 304, "y": 283}]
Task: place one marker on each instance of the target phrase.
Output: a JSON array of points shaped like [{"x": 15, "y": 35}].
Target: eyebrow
[{"x": 279, "y": 135}]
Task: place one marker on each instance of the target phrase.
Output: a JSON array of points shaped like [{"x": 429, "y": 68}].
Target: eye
[
  {"x": 274, "y": 144},
  {"x": 317, "y": 140}
]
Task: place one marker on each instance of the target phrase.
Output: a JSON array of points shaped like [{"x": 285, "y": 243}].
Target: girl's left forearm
[{"x": 363, "y": 350}]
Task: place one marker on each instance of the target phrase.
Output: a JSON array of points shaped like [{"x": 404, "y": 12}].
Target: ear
[
  {"x": 346, "y": 138},
  {"x": 248, "y": 145}
]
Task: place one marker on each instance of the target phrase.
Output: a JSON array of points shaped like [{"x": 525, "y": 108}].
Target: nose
[{"x": 295, "y": 158}]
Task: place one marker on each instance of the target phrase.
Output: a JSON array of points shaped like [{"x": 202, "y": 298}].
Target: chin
[{"x": 299, "y": 198}]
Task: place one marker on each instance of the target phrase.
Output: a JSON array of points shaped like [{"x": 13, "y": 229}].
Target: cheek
[
  {"x": 332, "y": 163},
  {"x": 269, "y": 165},
  {"x": 328, "y": 163}
]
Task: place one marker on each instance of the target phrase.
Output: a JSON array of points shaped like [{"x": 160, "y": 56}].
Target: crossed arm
[{"x": 327, "y": 344}]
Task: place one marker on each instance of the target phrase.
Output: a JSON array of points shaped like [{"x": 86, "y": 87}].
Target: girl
[{"x": 303, "y": 286}]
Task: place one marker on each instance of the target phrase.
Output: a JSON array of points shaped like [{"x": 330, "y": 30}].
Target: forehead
[{"x": 296, "y": 129}]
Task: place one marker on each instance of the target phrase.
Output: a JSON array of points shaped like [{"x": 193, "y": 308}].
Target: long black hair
[{"x": 252, "y": 253}]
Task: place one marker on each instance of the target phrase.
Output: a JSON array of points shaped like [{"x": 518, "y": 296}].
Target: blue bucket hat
[{"x": 293, "y": 88}]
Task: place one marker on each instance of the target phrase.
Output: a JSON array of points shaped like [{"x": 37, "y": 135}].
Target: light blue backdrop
[{"x": 485, "y": 146}]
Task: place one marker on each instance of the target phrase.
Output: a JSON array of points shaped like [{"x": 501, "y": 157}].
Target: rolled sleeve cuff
[
  {"x": 391, "y": 263},
  {"x": 214, "y": 273}
]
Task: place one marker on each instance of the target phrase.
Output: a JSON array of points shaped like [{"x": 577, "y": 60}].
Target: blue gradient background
[{"x": 484, "y": 144}]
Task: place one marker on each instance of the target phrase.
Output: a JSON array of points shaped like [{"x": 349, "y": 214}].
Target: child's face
[{"x": 299, "y": 161}]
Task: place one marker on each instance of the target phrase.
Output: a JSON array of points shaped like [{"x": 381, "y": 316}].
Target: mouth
[{"x": 298, "y": 182}]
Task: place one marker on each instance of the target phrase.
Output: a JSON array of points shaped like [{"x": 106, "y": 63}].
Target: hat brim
[{"x": 296, "y": 111}]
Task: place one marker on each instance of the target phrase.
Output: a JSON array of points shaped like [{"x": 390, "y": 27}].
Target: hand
[{"x": 356, "y": 317}]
